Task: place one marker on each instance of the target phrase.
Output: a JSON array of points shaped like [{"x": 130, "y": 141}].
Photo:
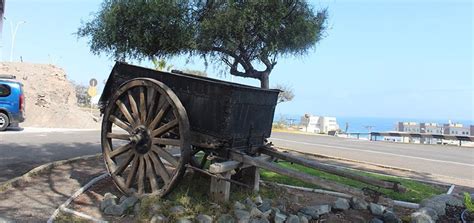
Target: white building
[{"x": 318, "y": 124}]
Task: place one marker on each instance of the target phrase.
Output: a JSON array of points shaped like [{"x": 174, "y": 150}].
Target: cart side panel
[{"x": 233, "y": 115}]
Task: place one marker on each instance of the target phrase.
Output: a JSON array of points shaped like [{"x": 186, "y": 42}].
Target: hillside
[{"x": 50, "y": 96}]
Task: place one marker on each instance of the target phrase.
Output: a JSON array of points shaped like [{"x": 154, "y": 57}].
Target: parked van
[{"x": 12, "y": 102}]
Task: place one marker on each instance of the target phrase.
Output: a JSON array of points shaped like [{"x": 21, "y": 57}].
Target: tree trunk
[{"x": 264, "y": 80}]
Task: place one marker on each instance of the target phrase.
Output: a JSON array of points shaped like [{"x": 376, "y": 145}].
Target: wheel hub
[
  {"x": 141, "y": 138},
  {"x": 2, "y": 121}
]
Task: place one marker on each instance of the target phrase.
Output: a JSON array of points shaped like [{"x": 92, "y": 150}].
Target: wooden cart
[{"x": 154, "y": 123}]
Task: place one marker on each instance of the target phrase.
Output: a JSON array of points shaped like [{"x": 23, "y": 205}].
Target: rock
[
  {"x": 304, "y": 215},
  {"x": 129, "y": 202},
  {"x": 238, "y": 205},
  {"x": 255, "y": 213},
  {"x": 266, "y": 205},
  {"x": 390, "y": 217},
  {"x": 258, "y": 200},
  {"x": 303, "y": 219},
  {"x": 375, "y": 220},
  {"x": 159, "y": 219},
  {"x": 177, "y": 210},
  {"x": 266, "y": 214},
  {"x": 122, "y": 198},
  {"x": 341, "y": 204},
  {"x": 5, "y": 220},
  {"x": 279, "y": 217},
  {"x": 316, "y": 211},
  {"x": 439, "y": 207},
  {"x": 293, "y": 219},
  {"x": 202, "y": 218},
  {"x": 249, "y": 203},
  {"x": 225, "y": 218},
  {"x": 358, "y": 204},
  {"x": 136, "y": 209},
  {"x": 419, "y": 217},
  {"x": 242, "y": 215},
  {"x": 259, "y": 220},
  {"x": 115, "y": 210},
  {"x": 215, "y": 206},
  {"x": 183, "y": 220},
  {"x": 430, "y": 212},
  {"x": 376, "y": 209},
  {"x": 109, "y": 199},
  {"x": 448, "y": 199}
]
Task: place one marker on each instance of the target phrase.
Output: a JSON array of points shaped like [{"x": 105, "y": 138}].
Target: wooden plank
[
  {"x": 333, "y": 169},
  {"x": 224, "y": 166},
  {"x": 325, "y": 184}
]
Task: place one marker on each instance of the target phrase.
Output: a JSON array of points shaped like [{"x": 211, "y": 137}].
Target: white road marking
[{"x": 377, "y": 152}]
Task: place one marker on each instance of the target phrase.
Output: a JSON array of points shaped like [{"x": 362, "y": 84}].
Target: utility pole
[{"x": 2, "y": 12}]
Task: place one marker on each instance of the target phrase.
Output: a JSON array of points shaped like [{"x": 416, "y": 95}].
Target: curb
[{"x": 40, "y": 169}]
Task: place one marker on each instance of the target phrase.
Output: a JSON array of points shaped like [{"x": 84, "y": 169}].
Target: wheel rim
[
  {"x": 144, "y": 127},
  {"x": 2, "y": 122}
]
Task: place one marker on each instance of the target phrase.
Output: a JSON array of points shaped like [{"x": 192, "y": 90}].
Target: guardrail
[{"x": 373, "y": 136}]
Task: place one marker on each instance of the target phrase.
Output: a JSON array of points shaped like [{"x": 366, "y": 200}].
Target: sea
[{"x": 359, "y": 124}]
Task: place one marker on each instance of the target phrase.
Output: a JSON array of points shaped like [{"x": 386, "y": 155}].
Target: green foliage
[
  {"x": 468, "y": 202},
  {"x": 416, "y": 191},
  {"x": 240, "y": 34}
]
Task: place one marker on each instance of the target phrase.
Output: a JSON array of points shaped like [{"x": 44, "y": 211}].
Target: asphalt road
[
  {"x": 23, "y": 150},
  {"x": 450, "y": 161}
]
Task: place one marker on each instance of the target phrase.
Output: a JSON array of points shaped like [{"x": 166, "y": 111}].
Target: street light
[{"x": 13, "y": 33}]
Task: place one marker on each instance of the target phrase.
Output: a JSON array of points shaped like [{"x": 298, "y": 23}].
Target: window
[{"x": 5, "y": 90}]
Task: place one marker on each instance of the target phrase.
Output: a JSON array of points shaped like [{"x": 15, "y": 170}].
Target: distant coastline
[{"x": 357, "y": 124}]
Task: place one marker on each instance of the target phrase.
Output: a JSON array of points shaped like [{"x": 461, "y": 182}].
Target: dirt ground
[
  {"x": 37, "y": 199},
  {"x": 50, "y": 97}
]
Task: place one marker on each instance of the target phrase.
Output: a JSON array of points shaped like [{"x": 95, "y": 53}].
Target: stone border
[{"x": 41, "y": 169}]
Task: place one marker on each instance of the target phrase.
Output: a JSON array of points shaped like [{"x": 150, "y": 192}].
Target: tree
[
  {"x": 246, "y": 36},
  {"x": 82, "y": 96},
  {"x": 286, "y": 93},
  {"x": 160, "y": 64}
]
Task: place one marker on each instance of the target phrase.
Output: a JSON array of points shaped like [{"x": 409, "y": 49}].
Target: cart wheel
[{"x": 144, "y": 128}]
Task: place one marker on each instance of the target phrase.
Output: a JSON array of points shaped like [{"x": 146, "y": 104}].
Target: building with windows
[
  {"x": 456, "y": 129},
  {"x": 412, "y": 127},
  {"x": 318, "y": 124}
]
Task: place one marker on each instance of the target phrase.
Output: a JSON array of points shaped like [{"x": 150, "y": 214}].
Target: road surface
[
  {"x": 450, "y": 161},
  {"x": 23, "y": 150}
]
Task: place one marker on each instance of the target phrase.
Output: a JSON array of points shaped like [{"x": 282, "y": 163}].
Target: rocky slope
[{"x": 50, "y": 97}]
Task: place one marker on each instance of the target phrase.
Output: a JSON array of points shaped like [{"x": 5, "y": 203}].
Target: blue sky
[{"x": 394, "y": 59}]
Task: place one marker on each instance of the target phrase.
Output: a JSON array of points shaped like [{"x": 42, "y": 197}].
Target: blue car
[{"x": 12, "y": 102}]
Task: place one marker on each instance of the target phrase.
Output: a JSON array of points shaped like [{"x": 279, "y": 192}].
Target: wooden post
[
  {"x": 220, "y": 189},
  {"x": 251, "y": 177}
]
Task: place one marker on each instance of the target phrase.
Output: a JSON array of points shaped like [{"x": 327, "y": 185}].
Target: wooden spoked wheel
[{"x": 145, "y": 138}]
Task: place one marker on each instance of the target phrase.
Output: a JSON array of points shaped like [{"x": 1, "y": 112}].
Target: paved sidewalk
[{"x": 36, "y": 200}]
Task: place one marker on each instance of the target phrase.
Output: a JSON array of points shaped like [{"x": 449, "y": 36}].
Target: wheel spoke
[
  {"x": 142, "y": 105},
  {"x": 165, "y": 155},
  {"x": 158, "y": 132},
  {"x": 141, "y": 175},
  {"x": 150, "y": 172},
  {"x": 121, "y": 150},
  {"x": 167, "y": 142},
  {"x": 125, "y": 112},
  {"x": 118, "y": 136},
  {"x": 120, "y": 123},
  {"x": 151, "y": 95},
  {"x": 124, "y": 165},
  {"x": 160, "y": 167},
  {"x": 163, "y": 109},
  {"x": 133, "y": 104},
  {"x": 132, "y": 173}
]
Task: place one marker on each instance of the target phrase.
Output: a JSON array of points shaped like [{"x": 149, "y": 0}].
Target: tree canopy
[{"x": 247, "y": 36}]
